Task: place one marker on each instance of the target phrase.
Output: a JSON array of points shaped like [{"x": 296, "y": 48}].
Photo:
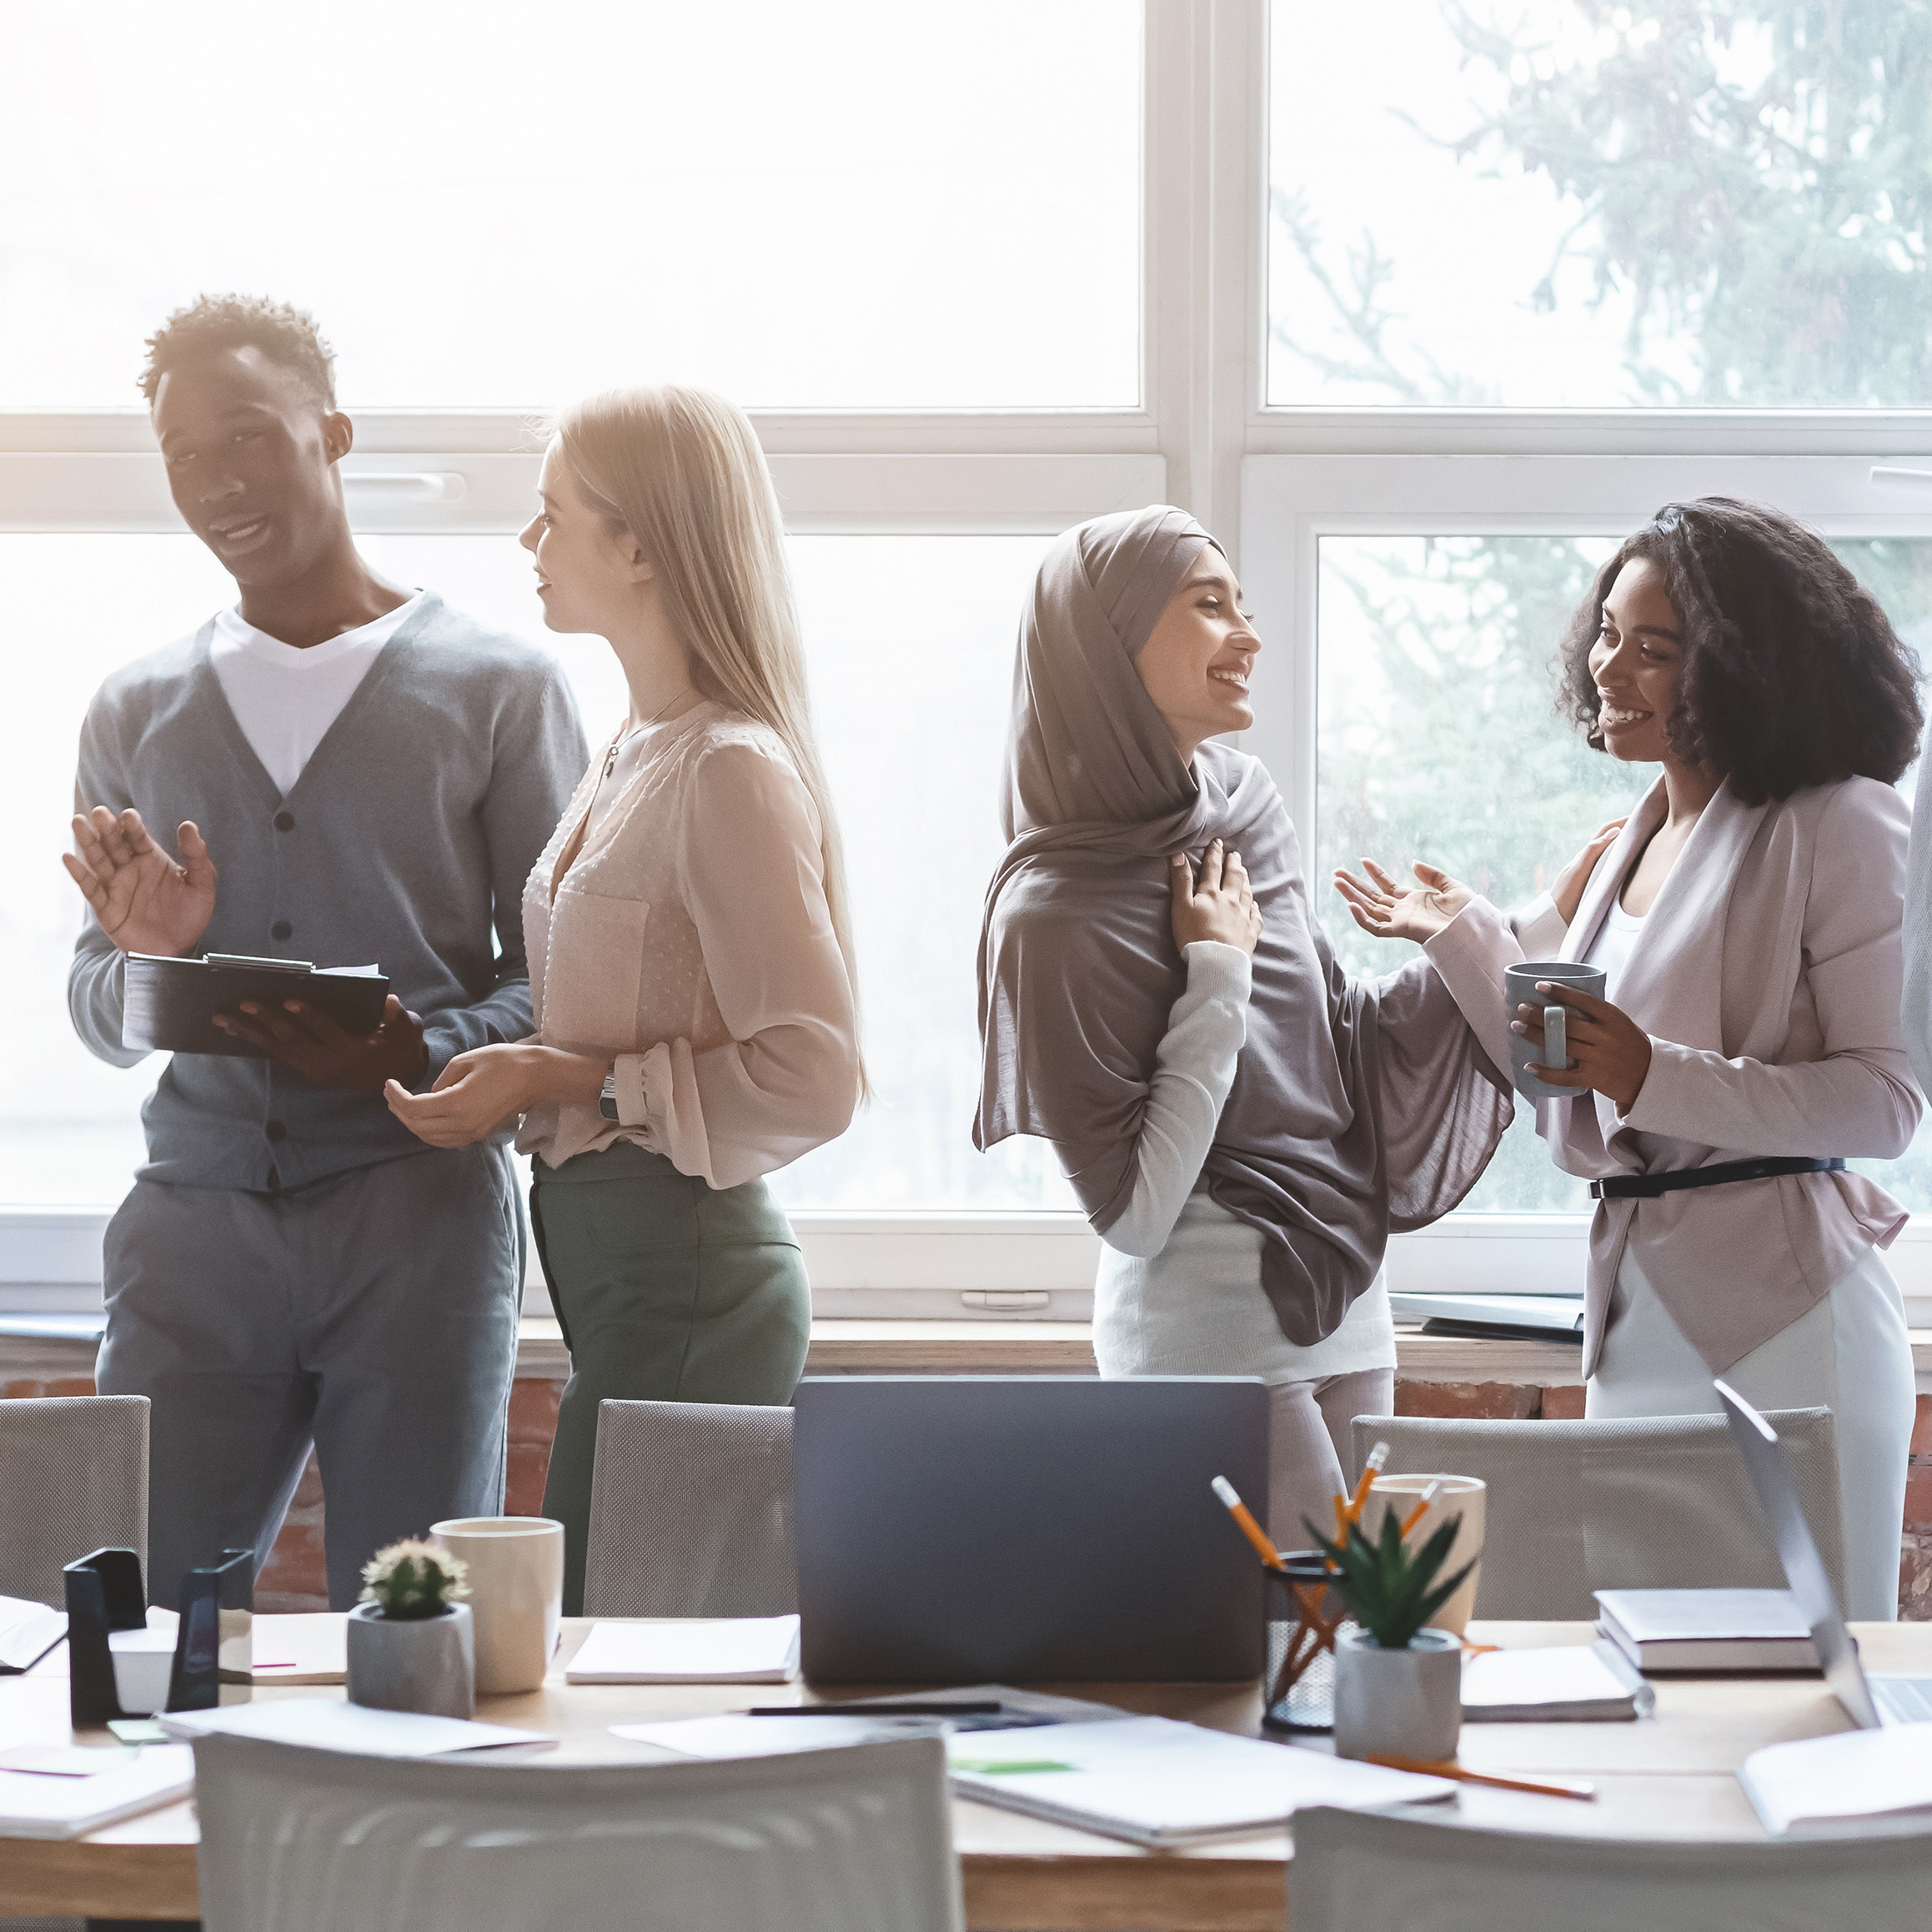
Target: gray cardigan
[{"x": 409, "y": 834}]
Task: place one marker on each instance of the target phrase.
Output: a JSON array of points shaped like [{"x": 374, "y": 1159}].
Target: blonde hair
[{"x": 681, "y": 470}]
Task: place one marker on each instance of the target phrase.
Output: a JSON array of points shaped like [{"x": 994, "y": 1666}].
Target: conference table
[{"x": 1668, "y": 1776}]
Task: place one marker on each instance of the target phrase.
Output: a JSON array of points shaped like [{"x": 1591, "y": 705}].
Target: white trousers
[{"x": 1850, "y": 1353}]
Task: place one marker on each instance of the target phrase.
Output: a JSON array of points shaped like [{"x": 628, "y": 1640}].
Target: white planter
[
  {"x": 1399, "y": 1704},
  {"x": 419, "y": 1663}
]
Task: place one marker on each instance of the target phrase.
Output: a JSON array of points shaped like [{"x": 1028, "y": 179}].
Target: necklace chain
[{"x": 624, "y": 738}]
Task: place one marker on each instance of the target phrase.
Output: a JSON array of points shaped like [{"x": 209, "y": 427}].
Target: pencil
[
  {"x": 1378, "y": 1459},
  {"x": 1244, "y": 1519},
  {"x": 1430, "y": 1768},
  {"x": 1422, "y": 1508}
]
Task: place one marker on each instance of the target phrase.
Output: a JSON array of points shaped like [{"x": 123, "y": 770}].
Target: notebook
[
  {"x": 689, "y": 1650},
  {"x": 170, "y": 1004},
  {"x": 1155, "y": 1782},
  {"x": 56, "y": 1804},
  {"x": 28, "y": 1632},
  {"x": 1820, "y": 1787},
  {"x": 1708, "y": 1631},
  {"x": 327, "y": 1724},
  {"x": 1565, "y": 1683}
]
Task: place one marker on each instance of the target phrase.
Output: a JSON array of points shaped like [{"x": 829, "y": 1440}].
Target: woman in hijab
[{"x": 1243, "y": 1124}]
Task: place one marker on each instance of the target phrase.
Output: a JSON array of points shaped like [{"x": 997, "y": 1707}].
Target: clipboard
[{"x": 170, "y": 1004}]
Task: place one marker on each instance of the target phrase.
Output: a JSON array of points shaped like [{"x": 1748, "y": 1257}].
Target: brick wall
[{"x": 294, "y": 1578}]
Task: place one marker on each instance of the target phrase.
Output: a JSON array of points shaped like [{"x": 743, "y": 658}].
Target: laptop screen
[{"x": 1804, "y": 1572}]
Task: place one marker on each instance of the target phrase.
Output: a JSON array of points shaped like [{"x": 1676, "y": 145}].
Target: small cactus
[{"x": 412, "y": 1580}]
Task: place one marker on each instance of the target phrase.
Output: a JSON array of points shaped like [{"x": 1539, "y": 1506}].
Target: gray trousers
[{"x": 373, "y": 1314}]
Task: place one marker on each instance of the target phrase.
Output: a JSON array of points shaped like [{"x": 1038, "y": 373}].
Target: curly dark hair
[
  {"x": 287, "y": 336},
  {"x": 1793, "y": 674}
]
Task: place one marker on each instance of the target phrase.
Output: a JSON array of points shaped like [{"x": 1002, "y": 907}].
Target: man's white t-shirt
[{"x": 285, "y": 699}]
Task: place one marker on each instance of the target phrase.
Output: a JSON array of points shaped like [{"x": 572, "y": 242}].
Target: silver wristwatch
[{"x": 607, "y": 1102}]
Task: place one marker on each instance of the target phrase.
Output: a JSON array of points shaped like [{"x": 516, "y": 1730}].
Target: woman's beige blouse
[{"x": 690, "y": 943}]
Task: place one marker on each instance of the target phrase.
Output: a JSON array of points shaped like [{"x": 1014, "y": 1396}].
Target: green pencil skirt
[{"x": 667, "y": 1290}]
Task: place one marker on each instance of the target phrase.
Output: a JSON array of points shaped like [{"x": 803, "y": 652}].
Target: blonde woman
[{"x": 691, "y": 959}]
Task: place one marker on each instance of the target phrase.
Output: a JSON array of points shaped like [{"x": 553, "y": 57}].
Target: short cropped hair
[
  {"x": 1793, "y": 674},
  {"x": 287, "y": 336}
]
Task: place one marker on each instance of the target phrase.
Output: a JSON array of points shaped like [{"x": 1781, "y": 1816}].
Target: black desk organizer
[{"x": 104, "y": 1592}]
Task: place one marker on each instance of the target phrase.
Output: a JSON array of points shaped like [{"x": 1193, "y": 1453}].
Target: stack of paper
[
  {"x": 1157, "y": 1782},
  {"x": 327, "y": 1724},
  {"x": 1823, "y": 1787},
  {"x": 144, "y": 1662},
  {"x": 689, "y": 1650},
  {"x": 1565, "y": 1683},
  {"x": 28, "y": 1632},
  {"x": 60, "y": 1795}
]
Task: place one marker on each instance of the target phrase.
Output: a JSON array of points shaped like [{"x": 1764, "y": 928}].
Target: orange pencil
[
  {"x": 1422, "y": 1508},
  {"x": 1378, "y": 1459},
  {"x": 1430, "y": 1767},
  {"x": 1244, "y": 1520}
]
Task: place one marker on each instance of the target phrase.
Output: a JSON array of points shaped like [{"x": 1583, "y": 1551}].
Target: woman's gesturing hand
[
  {"x": 1568, "y": 892},
  {"x": 1219, "y": 905},
  {"x": 1390, "y": 910},
  {"x": 1608, "y": 1050}
]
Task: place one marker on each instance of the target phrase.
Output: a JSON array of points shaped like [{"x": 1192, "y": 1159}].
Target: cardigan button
[
  {"x": 281, "y": 930},
  {"x": 284, "y": 821}
]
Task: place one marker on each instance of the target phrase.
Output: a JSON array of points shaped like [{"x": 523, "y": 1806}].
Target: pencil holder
[{"x": 1304, "y": 1617}]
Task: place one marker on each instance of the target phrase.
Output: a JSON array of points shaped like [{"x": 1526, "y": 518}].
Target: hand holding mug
[{"x": 1602, "y": 1048}]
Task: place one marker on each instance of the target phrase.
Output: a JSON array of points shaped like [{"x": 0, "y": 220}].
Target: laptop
[
  {"x": 1871, "y": 1699},
  {"x": 1027, "y": 1529}
]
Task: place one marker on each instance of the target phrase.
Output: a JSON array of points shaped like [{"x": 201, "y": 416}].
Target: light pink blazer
[{"x": 1768, "y": 976}]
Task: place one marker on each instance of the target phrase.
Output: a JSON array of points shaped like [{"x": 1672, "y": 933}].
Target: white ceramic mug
[
  {"x": 516, "y": 1594},
  {"x": 1463, "y": 1495}
]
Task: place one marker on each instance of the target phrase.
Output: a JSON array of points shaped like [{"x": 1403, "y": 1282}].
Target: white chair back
[
  {"x": 857, "y": 1839},
  {"x": 690, "y": 1512},
  {"x": 73, "y": 1479},
  {"x": 1642, "y": 1503},
  {"x": 1356, "y": 1872}
]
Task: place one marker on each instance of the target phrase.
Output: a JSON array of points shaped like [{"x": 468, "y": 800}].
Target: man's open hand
[
  {"x": 145, "y": 902},
  {"x": 294, "y": 1033}
]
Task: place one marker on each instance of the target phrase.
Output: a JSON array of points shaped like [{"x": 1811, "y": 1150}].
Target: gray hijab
[{"x": 1358, "y": 1107}]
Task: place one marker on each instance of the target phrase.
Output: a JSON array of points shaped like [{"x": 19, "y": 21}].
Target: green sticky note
[
  {"x": 137, "y": 1730},
  {"x": 998, "y": 1766}
]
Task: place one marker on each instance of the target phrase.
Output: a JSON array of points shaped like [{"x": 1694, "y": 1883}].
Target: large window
[
  {"x": 1419, "y": 308},
  {"x": 1558, "y": 204}
]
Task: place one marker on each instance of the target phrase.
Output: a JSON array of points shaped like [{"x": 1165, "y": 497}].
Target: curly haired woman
[{"x": 1748, "y": 919}]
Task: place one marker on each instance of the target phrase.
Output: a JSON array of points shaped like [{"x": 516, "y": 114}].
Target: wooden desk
[{"x": 1668, "y": 1778}]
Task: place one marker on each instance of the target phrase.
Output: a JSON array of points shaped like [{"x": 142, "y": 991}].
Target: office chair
[
  {"x": 854, "y": 1838},
  {"x": 1639, "y": 1502},
  {"x": 690, "y": 1512}
]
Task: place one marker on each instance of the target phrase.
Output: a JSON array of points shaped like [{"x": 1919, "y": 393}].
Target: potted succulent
[
  {"x": 1398, "y": 1685},
  {"x": 411, "y": 1644}
]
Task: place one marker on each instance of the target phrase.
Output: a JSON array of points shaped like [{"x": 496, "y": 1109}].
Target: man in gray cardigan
[{"x": 351, "y": 772}]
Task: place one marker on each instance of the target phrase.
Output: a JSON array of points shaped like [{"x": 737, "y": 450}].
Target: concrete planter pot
[
  {"x": 1400, "y": 1703},
  {"x": 421, "y": 1664}
]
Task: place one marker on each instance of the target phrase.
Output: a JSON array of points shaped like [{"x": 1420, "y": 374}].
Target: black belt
[{"x": 1648, "y": 1186}]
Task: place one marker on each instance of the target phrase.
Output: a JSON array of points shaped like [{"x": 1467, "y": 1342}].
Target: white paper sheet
[
  {"x": 1816, "y": 1786},
  {"x": 329, "y": 1724}
]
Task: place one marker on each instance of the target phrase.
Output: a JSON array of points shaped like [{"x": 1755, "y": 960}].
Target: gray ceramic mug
[{"x": 1519, "y": 990}]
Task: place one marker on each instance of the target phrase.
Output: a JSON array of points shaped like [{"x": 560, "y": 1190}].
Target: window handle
[
  {"x": 1887, "y": 473},
  {"x": 411, "y": 485}
]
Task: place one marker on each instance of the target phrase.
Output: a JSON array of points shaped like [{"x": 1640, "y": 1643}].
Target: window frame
[{"x": 1204, "y": 436}]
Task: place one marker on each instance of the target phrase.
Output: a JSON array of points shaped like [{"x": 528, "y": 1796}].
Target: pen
[
  {"x": 1244, "y": 1518},
  {"x": 1430, "y": 1767},
  {"x": 961, "y": 1709}
]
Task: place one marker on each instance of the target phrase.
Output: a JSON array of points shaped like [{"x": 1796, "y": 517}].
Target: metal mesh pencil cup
[{"x": 1304, "y": 1617}]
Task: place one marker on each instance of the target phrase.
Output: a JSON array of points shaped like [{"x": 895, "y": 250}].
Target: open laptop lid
[{"x": 1804, "y": 1572}]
